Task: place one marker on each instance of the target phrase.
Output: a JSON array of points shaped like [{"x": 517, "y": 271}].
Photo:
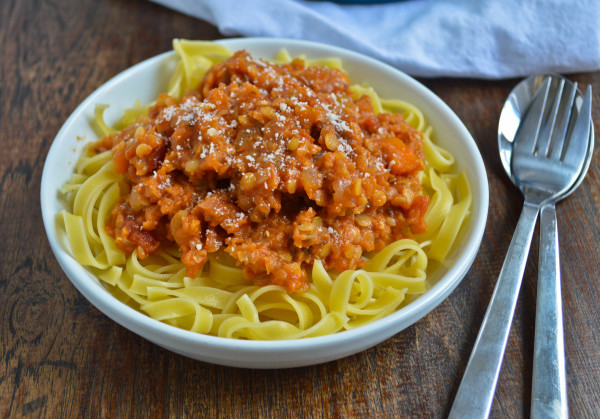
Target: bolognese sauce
[{"x": 275, "y": 165}]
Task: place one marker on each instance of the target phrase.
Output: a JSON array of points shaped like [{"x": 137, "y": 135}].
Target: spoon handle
[
  {"x": 549, "y": 388},
  {"x": 476, "y": 391}
]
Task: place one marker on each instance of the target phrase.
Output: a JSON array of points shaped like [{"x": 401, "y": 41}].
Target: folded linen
[{"x": 431, "y": 38}]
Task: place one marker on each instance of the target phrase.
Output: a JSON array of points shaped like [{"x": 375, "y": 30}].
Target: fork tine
[
  {"x": 554, "y": 127},
  {"x": 549, "y": 117},
  {"x": 559, "y": 138},
  {"x": 527, "y": 135},
  {"x": 579, "y": 138}
]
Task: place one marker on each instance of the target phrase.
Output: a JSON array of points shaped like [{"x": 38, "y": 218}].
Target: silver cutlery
[{"x": 546, "y": 161}]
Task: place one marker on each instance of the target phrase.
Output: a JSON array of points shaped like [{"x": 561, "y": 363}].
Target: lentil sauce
[{"x": 275, "y": 165}]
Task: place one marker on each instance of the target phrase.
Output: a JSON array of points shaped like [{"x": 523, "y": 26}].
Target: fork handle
[
  {"x": 476, "y": 391},
  {"x": 549, "y": 388}
]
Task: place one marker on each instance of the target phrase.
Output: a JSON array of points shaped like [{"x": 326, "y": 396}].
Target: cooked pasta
[{"x": 218, "y": 299}]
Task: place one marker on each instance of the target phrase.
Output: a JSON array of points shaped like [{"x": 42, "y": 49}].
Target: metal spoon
[{"x": 543, "y": 124}]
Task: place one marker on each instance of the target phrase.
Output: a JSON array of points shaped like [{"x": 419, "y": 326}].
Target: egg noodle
[{"x": 220, "y": 301}]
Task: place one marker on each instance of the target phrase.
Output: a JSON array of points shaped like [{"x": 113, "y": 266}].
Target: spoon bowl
[{"x": 513, "y": 112}]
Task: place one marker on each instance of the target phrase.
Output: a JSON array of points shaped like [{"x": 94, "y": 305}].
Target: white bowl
[{"x": 145, "y": 81}]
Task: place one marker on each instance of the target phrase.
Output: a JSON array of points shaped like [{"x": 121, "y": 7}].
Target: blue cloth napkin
[{"x": 431, "y": 38}]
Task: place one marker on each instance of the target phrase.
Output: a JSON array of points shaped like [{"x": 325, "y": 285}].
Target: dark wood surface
[{"x": 59, "y": 356}]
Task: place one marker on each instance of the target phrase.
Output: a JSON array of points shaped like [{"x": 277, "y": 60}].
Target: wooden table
[{"x": 59, "y": 356}]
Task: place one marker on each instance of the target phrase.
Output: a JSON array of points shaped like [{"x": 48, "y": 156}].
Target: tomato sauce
[{"x": 276, "y": 165}]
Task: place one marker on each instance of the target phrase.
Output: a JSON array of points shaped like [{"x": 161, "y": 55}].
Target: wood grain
[{"x": 60, "y": 357}]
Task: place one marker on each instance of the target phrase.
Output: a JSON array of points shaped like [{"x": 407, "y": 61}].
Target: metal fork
[
  {"x": 548, "y": 155},
  {"x": 549, "y": 384}
]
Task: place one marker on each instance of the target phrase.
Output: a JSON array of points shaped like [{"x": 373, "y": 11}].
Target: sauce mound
[{"x": 275, "y": 165}]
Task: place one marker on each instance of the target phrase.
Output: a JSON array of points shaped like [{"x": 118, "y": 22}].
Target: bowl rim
[{"x": 147, "y": 327}]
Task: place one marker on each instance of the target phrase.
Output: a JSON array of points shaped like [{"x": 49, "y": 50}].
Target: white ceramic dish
[{"x": 145, "y": 81}]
